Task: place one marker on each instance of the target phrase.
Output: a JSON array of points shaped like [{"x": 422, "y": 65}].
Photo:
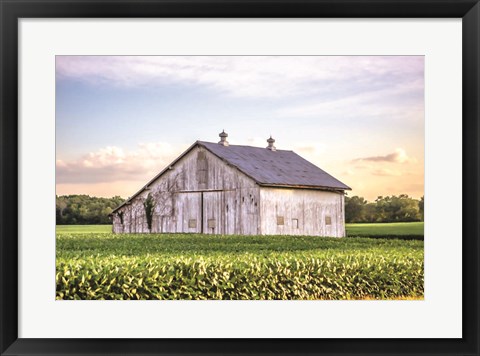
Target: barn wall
[
  {"x": 282, "y": 210},
  {"x": 200, "y": 193}
]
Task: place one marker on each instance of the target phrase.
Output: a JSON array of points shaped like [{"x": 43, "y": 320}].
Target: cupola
[
  {"x": 270, "y": 146},
  {"x": 223, "y": 138}
]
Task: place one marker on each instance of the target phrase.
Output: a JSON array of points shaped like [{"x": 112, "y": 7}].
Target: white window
[{"x": 295, "y": 223}]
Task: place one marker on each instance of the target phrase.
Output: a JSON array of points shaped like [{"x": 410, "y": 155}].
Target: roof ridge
[{"x": 230, "y": 145}]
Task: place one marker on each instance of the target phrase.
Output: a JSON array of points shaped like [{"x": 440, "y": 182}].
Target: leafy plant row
[
  {"x": 246, "y": 277},
  {"x": 76, "y": 245}
]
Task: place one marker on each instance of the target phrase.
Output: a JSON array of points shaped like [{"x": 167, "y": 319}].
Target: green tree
[
  {"x": 371, "y": 213},
  {"x": 84, "y": 209},
  {"x": 420, "y": 208},
  {"x": 355, "y": 209},
  {"x": 400, "y": 208}
]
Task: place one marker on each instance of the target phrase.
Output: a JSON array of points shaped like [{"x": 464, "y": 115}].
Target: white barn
[{"x": 217, "y": 188}]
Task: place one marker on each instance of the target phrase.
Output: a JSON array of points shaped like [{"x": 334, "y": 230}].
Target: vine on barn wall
[
  {"x": 149, "y": 205},
  {"x": 120, "y": 215},
  {"x": 159, "y": 203}
]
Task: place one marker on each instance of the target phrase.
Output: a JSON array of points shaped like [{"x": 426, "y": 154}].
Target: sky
[{"x": 121, "y": 119}]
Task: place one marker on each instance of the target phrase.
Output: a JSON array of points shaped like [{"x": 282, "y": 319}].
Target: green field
[
  {"x": 99, "y": 229},
  {"x": 410, "y": 229},
  {"x": 92, "y": 263},
  {"x": 365, "y": 230}
]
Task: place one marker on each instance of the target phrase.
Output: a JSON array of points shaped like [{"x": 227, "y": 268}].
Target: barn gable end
[{"x": 198, "y": 193}]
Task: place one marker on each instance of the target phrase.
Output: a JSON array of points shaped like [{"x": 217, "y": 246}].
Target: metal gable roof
[
  {"x": 270, "y": 168},
  {"x": 276, "y": 168}
]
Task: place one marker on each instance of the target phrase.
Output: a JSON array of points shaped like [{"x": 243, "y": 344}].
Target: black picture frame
[{"x": 13, "y": 10}]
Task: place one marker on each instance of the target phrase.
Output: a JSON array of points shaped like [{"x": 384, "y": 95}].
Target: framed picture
[{"x": 213, "y": 126}]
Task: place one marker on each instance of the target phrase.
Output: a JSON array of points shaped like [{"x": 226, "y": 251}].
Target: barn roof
[
  {"x": 275, "y": 168},
  {"x": 278, "y": 168}
]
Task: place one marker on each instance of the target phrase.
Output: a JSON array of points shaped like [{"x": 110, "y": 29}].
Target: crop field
[{"x": 93, "y": 263}]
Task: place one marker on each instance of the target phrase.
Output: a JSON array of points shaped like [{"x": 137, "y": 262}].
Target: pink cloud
[
  {"x": 399, "y": 156},
  {"x": 111, "y": 164},
  {"x": 384, "y": 172}
]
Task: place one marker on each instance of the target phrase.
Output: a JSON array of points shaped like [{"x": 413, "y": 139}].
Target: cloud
[
  {"x": 247, "y": 76},
  {"x": 112, "y": 164},
  {"x": 384, "y": 172},
  {"x": 394, "y": 100},
  {"x": 348, "y": 172},
  {"x": 399, "y": 156}
]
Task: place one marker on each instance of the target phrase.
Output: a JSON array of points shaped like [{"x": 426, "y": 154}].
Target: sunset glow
[{"x": 121, "y": 120}]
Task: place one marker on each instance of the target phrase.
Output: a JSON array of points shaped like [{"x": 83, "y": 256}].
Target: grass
[
  {"x": 98, "y": 229},
  {"x": 93, "y": 263},
  {"x": 410, "y": 229},
  {"x": 365, "y": 230}
]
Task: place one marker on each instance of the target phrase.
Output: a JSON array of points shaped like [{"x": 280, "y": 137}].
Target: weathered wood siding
[
  {"x": 301, "y": 212},
  {"x": 201, "y": 193}
]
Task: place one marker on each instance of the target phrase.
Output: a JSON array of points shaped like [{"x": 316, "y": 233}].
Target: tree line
[
  {"x": 84, "y": 209},
  {"x": 87, "y": 210},
  {"x": 393, "y": 208}
]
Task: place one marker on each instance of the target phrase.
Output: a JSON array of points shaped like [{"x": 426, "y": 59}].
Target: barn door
[
  {"x": 188, "y": 212},
  {"x": 213, "y": 213}
]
